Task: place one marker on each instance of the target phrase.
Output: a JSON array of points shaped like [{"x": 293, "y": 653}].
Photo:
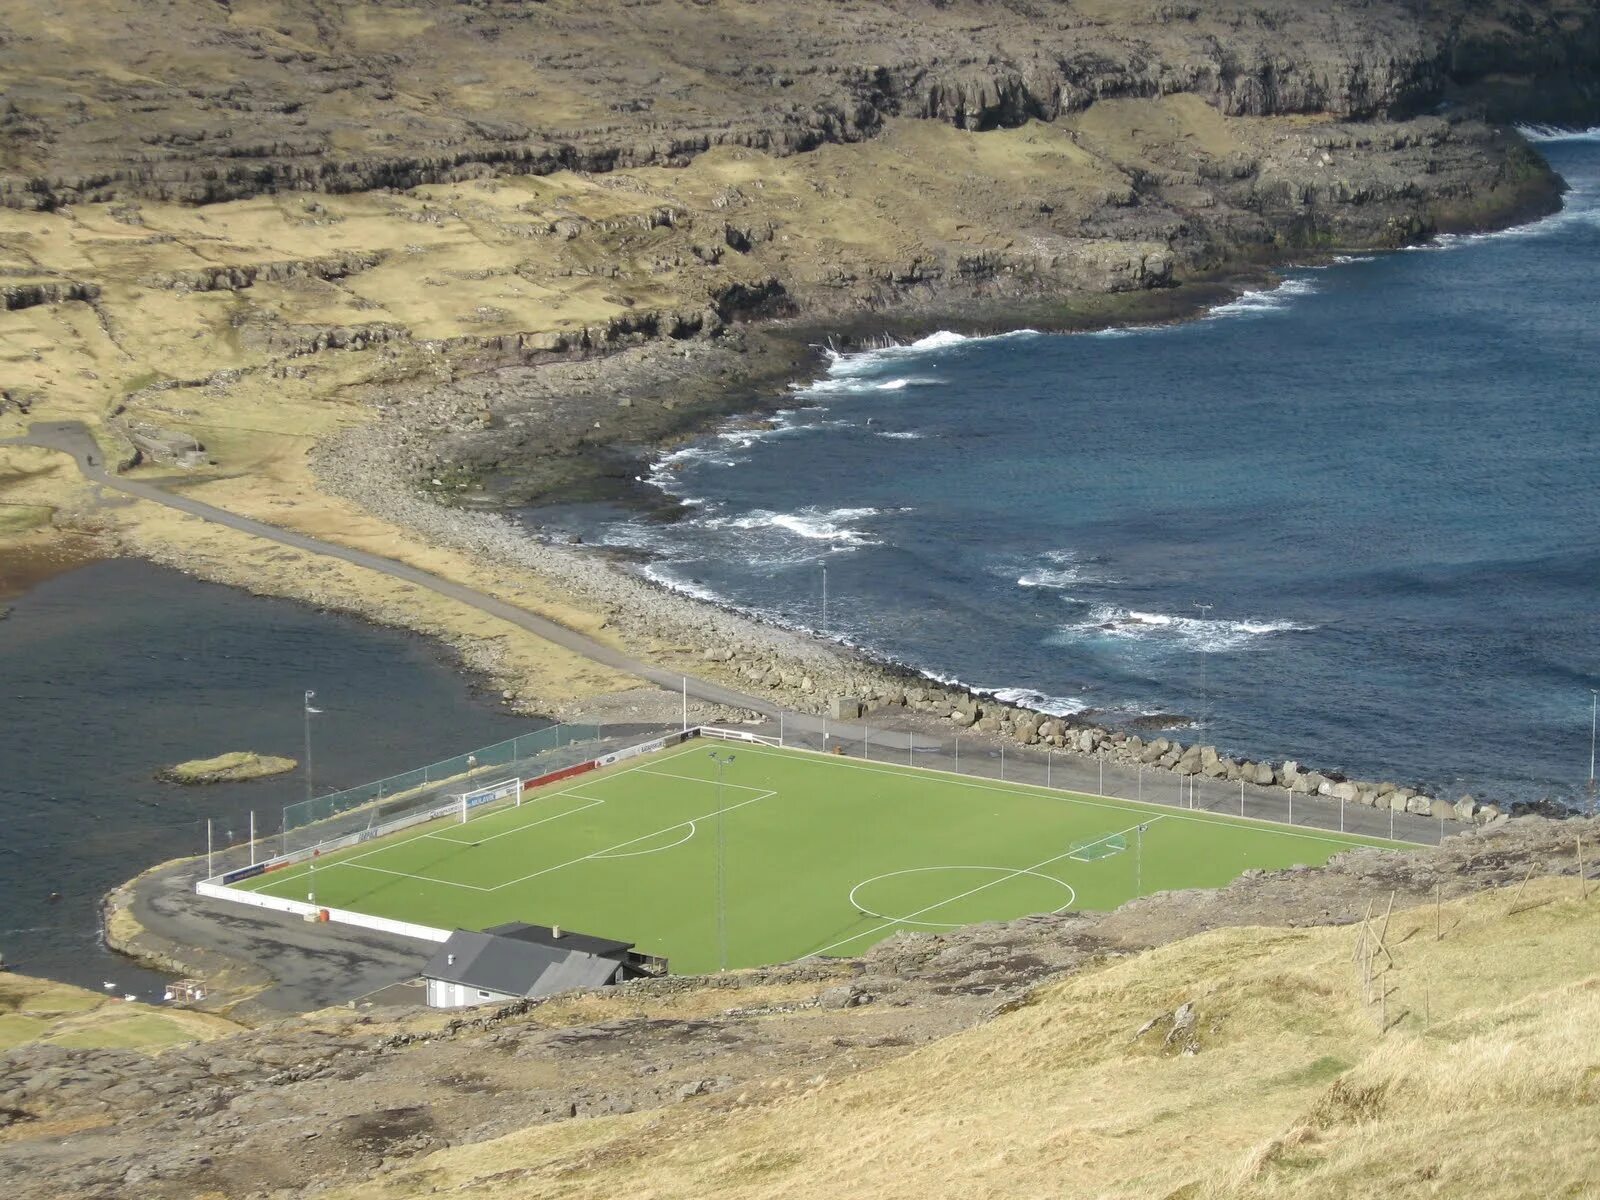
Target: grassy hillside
[
  {"x": 39, "y": 1010},
  {"x": 1241, "y": 1062}
]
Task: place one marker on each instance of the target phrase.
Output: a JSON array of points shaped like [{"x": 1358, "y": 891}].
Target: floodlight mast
[{"x": 723, "y": 761}]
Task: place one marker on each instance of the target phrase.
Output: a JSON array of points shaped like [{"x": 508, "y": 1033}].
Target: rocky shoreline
[{"x": 388, "y": 467}]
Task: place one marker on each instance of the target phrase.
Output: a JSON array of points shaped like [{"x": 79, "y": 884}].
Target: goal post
[{"x": 488, "y": 794}]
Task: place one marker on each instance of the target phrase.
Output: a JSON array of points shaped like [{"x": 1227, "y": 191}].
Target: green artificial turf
[{"x": 821, "y": 855}]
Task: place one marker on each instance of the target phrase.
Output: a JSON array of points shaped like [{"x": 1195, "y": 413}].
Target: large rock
[
  {"x": 1264, "y": 774},
  {"x": 1444, "y": 810},
  {"x": 1421, "y": 805},
  {"x": 1465, "y": 808},
  {"x": 1396, "y": 801},
  {"x": 1347, "y": 791},
  {"x": 844, "y": 708}
]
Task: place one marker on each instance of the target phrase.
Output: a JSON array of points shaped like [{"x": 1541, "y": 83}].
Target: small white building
[{"x": 519, "y": 961}]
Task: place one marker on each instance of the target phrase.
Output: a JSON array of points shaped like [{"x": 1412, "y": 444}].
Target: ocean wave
[
  {"x": 1558, "y": 133},
  {"x": 658, "y": 574},
  {"x": 856, "y": 386},
  {"x": 813, "y": 524},
  {"x": 1206, "y": 635},
  {"x": 1061, "y": 569},
  {"x": 1056, "y": 706},
  {"x": 862, "y": 362},
  {"x": 899, "y": 435},
  {"x": 1254, "y": 303}
]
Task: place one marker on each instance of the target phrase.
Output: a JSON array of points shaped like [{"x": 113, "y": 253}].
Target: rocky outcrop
[
  {"x": 809, "y": 75},
  {"x": 225, "y": 278},
  {"x": 15, "y": 296}
]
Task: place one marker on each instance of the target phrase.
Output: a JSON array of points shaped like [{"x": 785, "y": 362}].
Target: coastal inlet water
[
  {"x": 115, "y": 670},
  {"x": 1354, "y": 519}
]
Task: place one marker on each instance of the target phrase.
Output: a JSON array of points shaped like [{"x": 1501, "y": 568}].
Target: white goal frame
[{"x": 488, "y": 794}]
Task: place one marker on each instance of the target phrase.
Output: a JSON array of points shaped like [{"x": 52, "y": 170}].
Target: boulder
[
  {"x": 962, "y": 717},
  {"x": 1208, "y": 756},
  {"x": 1421, "y": 805},
  {"x": 1465, "y": 808},
  {"x": 1288, "y": 771},
  {"x": 1396, "y": 801},
  {"x": 1444, "y": 810},
  {"x": 1487, "y": 814},
  {"x": 1347, "y": 791},
  {"x": 844, "y": 708},
  {"x": 1265, "y": 774},
  {"x": 1385, "y": 788},
  {"x": 1215, "y": 769},
  {"x": 1151, "y": 753}
]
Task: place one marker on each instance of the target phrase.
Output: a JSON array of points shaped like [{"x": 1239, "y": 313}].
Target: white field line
[
  {"x": 910, "y": 918},
  {"x": 1063, "y": 797},
  {"x": 301, "y": 869},
  {"x": 607, "y": 851},
  {"x": 593, "y": 802},
  {"x": 744, "y": 787},
  {"x": 409, "y": 875}
]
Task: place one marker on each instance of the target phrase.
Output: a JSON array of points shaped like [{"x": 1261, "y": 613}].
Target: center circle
[{"x": 966, "y": 882}]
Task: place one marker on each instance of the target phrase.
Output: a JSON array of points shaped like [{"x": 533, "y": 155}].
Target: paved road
[
  {"x": 73, "y": 438},
  {"x": 314, "y": 966},
  {"x": 306, "y": 965}
]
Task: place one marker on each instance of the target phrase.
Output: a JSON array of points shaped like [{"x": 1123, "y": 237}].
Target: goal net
[
  {"x": 1099, "y": 848},
  {"x": 488, "y": 794}
]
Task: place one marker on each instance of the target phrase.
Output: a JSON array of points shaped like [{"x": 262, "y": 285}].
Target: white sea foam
[
  {"x": 1191, "y": 633},
  {"x": 899, "y": 435},
  {"x": 1557, "y": 133},
  {"x": 851, "y": 385},
  {"x": 862, "y": 362},
  {"x": 1056, "y": 706},
  {"x": 813, "y": 524},
  {"x": 1061, "y": 570},
  {"x": 656, "y": 573},
  {"x": 1254, "y": 304}
]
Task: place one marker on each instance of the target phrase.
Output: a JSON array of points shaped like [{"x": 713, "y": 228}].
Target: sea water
[
  {"x": 1354, "y": 518},
  {"x": 114, "y": 671}
]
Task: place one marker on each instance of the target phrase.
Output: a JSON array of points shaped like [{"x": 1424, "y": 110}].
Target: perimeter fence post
[
  {"x": 252, "y": 837},
  {"x": 1047, "y": 760},
  {"x": 1291, "y": 806},
  {"x": 1102, "y": 790},
  {"x": 911, "y": 746},
  {"x": 958, "y": 754},
  {"x": 780, "y": 727},
  {"x": 1002, "y": 761},
  {"x": 1141, "y": 783},
  {"x": 1391, "y": 822},
  {"x": 1341, "y": 814},
  {"x": 209, "y": 872},
  {"x": 866, "y": 741}
]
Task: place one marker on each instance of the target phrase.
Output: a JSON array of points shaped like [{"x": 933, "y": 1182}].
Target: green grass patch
[
  {"x": 16, "y": 1029},
  {"x": 820, "y": 855}
]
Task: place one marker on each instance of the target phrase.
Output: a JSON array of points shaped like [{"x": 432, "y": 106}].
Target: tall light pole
[
  {"x": 1138, "y": 859},
  {"x": 1594, "y": 707},
  {"x": 309, "y": 713},
  {"x": 723, "y": 761},
  {"x": 1205, "y": 699},
  {"x": 824, "y": 598}
]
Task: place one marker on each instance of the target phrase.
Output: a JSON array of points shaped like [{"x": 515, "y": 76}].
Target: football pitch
[{"x": 819, "y": 855}]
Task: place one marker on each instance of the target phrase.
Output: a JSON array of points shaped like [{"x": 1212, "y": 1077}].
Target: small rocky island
[{"x": 235, "y": 767}]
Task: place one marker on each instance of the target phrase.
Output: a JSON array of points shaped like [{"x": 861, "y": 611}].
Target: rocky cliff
[{"x": 204, "y": 100}]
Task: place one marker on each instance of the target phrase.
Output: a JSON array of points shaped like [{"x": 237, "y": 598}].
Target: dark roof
[
  {"x": 544, "y": 935},
  {"x": 516, "y": 968}
]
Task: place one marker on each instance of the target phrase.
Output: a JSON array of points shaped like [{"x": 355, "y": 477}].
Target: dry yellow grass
[
  {"x": 1478, "y": 1086},
  {"x": 44, "y": 1011}
]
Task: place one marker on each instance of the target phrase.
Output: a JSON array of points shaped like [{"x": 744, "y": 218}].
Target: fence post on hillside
[
  {"x": 1241, "y": 800},
  {"x": 252, "y": 837},
  {"x": 1047, "y": 760},
  {"x": 209, "y": 871},
  {"x": 1102, "y": 790},
  {"x": 780, "y": 728},
  {"x": 1002, "y": 761},
  {"x": 958, "y": 754}
]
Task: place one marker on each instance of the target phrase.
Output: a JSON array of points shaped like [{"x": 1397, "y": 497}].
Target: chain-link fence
[
  {"x": 372, "y": 804},
  {"x": 1098, "y": 775}
]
